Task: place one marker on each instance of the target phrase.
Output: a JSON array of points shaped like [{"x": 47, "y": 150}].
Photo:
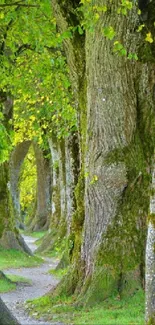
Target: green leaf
[{"x": 109, "y": 32}]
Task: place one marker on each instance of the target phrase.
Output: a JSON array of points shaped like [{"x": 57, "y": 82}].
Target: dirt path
[{"x": 42, "y": 282}]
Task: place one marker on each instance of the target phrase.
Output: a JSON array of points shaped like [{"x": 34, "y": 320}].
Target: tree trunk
[
  {"x": 6, "y": 317},
  {"x": 118, "y": 152},
  {"x": 41, "y": 220},
  {"x": 56, "y": 198},
  {"x": 9, "y": 235},
  {"x": 150, "y": 262},
  {"x": 5, "y": 217},
  {"x": 16, "y": 161}
]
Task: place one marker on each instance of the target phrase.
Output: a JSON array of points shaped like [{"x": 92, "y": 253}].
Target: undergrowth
[{"x": 113, "y": 311}]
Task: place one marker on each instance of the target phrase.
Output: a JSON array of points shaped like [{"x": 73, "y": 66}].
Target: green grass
[
  {"x": 35, "y": 234},
  {"x": 112, "y": 311},
  {"x": 58, "y": 273},
  {"x": 12, "y": 258},
  {"x": 9, "y": 283},
  {"x": 18, "y": 278},
  {"x": 6, "y": 285}
]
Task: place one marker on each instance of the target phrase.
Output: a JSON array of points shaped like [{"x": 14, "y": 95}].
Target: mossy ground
[
  {"x": 9, "y": 283},
  {"x": 11, "y": 258},
  {"x": 35, "y": 234},
  {"x": 58, "y": 273},
  {"x": 112, "y": 311}
]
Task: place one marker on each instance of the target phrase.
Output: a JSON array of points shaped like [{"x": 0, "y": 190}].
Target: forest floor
[
  {"x": 112, "y": 311},
  {"x": 41, "y": 283}
]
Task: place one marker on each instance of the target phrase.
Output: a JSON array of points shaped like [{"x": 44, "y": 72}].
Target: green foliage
[
  {"x": 126, "y": 5},
  {"x": 34, "y": 70},
  {"x": 109, "y": 32},
  {"x": 119, "y": 49},
  {"x": 5, "y": 142}
]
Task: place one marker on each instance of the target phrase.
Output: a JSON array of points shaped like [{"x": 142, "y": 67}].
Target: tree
[
  {"x": 32, "y": 109},
  {"x": 6, "y": 317},
  {"x": 150, "y": 261},
  {"x": 120, "y": 139}
]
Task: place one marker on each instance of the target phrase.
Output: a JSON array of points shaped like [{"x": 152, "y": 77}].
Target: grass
[
  {"x": 112, "y": 311},
  {"x": 58, "y": 273},
  {"x": 18, "y": 279},
  {"x": 35, "y": 234},
  {"x": 9, "y": 282},
  {"x": 6, "y": 285},
  {"x": 11, "y": 258}
]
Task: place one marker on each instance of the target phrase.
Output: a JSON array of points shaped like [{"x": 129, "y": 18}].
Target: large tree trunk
[
  {"x": 118, "y": 152},
  {"x": 6, "y": 317}
]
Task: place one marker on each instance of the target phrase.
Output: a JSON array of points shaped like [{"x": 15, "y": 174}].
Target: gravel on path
[{"x": 42, "y": 282}]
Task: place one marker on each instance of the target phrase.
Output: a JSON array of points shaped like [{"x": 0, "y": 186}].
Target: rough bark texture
[
  {"x": 118, "y": 151},
  {"x": 72, "y": 171},
  {"x": 111, "y": 125},
  {"x": 62, "y": 179},
  {"x": 117, "y": 160},
  {"x": 56, "y": 199},
  {"x": 66, "y": 16},
  {"x": 16, "y": 161},
  {"x": 41, "y": 219},
  {"x": 150, "y": 262},
  {"x": 9, "y": 235},
  {"x": 5, "y": 217},
  {"x": 6, "y": 317}
]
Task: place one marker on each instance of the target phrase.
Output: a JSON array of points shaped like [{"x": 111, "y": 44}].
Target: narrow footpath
[{"x": 42, "y": 282}]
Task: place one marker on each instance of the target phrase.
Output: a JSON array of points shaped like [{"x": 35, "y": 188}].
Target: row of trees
[{"x": 78, "y": 82}]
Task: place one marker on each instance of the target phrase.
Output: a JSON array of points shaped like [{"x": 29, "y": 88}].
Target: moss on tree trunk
[{"x": 117, "y": 156}]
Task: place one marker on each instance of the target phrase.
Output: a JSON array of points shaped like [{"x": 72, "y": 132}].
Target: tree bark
[
  {"x": 118, "y": 150},
  {"x": 150, "y": 262},
  {"x": 16, "y": 161},
  {"x": 6, "y": 317},
  {"x": 5, "y": 217},
  {"x": 41, "y": 220}
]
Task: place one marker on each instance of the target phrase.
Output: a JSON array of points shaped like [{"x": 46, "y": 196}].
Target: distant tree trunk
[
  {"x": 56, "y": 196},
  {"x": 150, "y": 261},
  {"x": 72, "y": 172},
  {"x": 5, "y": 217},
  {"x": 56, "y": 201},
  {"x": 16, "y": 161},
  {"x": 62, "y": 179},
  {"x": 41, "y": 220},
  {"x": 6, "y": 317}
]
